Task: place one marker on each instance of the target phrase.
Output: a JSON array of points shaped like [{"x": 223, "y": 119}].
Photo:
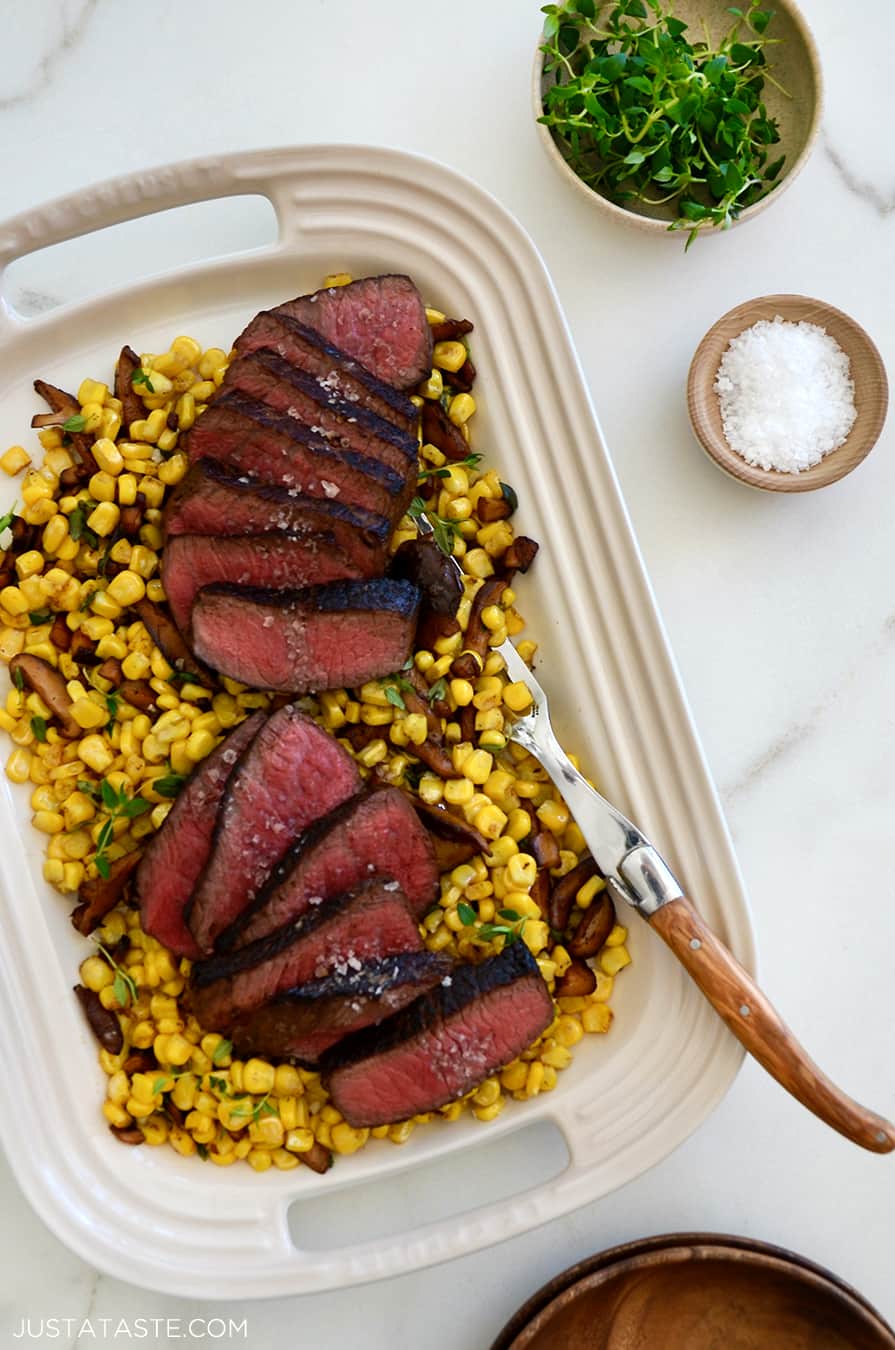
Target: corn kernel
[
  {"x": 95, "y": 753},
  {"x": 461, "y": 408},
  {"x": 597, "y": 1017},
  {"x": 108, "y": 457},
  {"x": 89, "y": 715},
  {"x": 15, "y": 460},
  {"x": 173, "y": 469},
  {"x": 345, "y": 1139},
  {"x": 449, "y": 355},
  {"x": 104, "y": 519},
  {"x": 29, "y": 564},
  {"x": 614, "y": 959}
]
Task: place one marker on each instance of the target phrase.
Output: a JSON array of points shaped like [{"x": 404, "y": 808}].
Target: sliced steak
[
  {"x": 441, "y": 1047},
  {"x": 275, "y": 560},
  {"x": 310, "y": 352},
  {"x": 268, "y": 377},
  {"x": 291, "y": 773},
  {"x": 252, "y": 439},
  {"x": 380, "y": 321},
  {"x": 210, "y": 501},
  {"x": 326, "y": 637},
  {"x": 175, "y": 856},
  {"x": 304, "y": 1022},
  {"x": 372, "y": 921},
  {"x": 378, "y": 833}
]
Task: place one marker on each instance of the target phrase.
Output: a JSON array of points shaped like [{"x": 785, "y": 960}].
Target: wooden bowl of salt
[{"x": 787, "y": 394}]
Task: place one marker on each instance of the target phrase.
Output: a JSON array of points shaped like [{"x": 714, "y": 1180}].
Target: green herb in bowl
[{"x": 657, "y": 116}]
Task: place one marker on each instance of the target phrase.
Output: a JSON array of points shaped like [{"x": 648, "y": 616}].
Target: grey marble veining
[{"x": 55, "y": 28}]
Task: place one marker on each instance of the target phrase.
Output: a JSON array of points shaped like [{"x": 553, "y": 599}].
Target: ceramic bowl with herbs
[{"x": 677, "y": 117}]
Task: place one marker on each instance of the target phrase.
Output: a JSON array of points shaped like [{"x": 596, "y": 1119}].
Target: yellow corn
[
  {"x": 449, "y": 355},
  {"x": 462, "y": 407},
  {"x": 108, "y": 457},
  {"x": 15, "y": 460}
]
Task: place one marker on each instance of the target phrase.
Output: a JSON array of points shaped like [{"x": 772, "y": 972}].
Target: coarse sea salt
[{"x": 786, "y": 395}]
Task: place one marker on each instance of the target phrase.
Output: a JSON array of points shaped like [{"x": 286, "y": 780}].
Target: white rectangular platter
[{"x": 631, "y": 1097}]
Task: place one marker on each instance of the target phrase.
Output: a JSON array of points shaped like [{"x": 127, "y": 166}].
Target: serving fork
[{"x": 637, "y": 875}]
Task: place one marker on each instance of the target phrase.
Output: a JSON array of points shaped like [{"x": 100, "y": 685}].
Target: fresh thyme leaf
[
  {"x": 112, "y": 700},
  {"x": 102, "y": 866},
  {"x": 75, "y": 423},
  {"x": 39, "y": 727},
  {"x": 119, "y": 989},
  {"x": 159, "y": 1084},
  {"x": 394, "y": 698},
  {"x": 438, "y": 690},
  {"x": 123, "y": 986},
  {"x": 169, "y": 784},
  {"x": 84, "y": 785},
  {"x": 202, "y": 1152},
  {"x": 221, "y": 1051},
  {"x": 265, "y": 1108},
  {"x": 18, "y": 679},
  {"x": 646, "y": 112},
  {"x": 466, "y": 913},
  {"x": 413, "y": 773},
  {"x": 78, "y": 527},
  {"x": 141, "y": 376},
  {"x": 408, "y": 664},
  {"x": 219, "y": 1084},
  {"x": 136, "y": 806},
  {"x": 109, "y": 795},
  {"x": 39, "y": 615},
  {"x": 509, "y": 914},
  {"x": 6, "y": 521}
]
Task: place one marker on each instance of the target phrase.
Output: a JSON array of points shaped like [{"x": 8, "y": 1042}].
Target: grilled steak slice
[
  {"x": 252, "y": 439},
  {"x": 304, "y": 1022},
  {"x": 325, "y": 637},
  {"x": 275, "y": 560},
  {"x": 308, "y": 351},
  {"x": 174, "y": 858},
  {"x": 210, "y": 501},
  {"x": 372, "y": 921},
  {"x": 378, "y": 833},
  {"x": 271, "y": 379},
  {"x": 441, "y": 1047},
  {"x": 380, "y": 321},
  {"x": 291, "y": 773}
]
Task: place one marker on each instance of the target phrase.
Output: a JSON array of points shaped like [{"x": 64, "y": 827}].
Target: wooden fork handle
[{"x": 759, "y": 1028}]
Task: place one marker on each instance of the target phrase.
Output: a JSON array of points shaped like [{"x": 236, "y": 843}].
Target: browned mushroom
[
  {"x": 66, "y": 405},
  {"x": 24, "y": 536},
  {"x": 597, "y": 922},
  {"x": 139, "y": 1061},
  {"x": 463, "y": 379},
  {"x": 132, "y": 408},
  {"x": 103, "y": 1023},
  {"x": 60, "y": 634},
  {"x": 520, "y": 555},
  {"x": 493, "y": 508},
  {"x": 130, "y": 520},
  {"x": 140, "y": 693},
  {"x": 564, "y": 891},
  {"x": 422, "y": 562},
  {"x": 431, "y": 627},
  {"x": 82, "y": 649},
  {"x": 544, "y": 846},
  {"x": 449, "y": 329},
  {"x": 128, "y": 1134},
  {"x": 359, "y": 734},
  {"x": 540, "y": 891},
  {"x": 40, "y": 676},
  {"x": 439, "y": 430},
  {"x": 167, "y": 638},
  {"x": 436, "y": 758},
  {"x": 468, "y": 665},
  {"x": 454, "y": 840},
  {"x": 101, "y": 894},
  {"x": 578, "y": 981},
  {"x": 318, "y": 1158},
  {"x": 111, "y": 670}
]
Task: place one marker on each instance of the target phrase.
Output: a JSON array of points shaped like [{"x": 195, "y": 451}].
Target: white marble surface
[{"x": 781, "y": 612}]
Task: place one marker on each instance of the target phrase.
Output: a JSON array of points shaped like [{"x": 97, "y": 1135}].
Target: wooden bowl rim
[
  {"x": 648, "y": 223},
  {"x": 735, "y": 1253},
  {"x": 612, "y": 1256},
  {"x": 833, "y": 466}
]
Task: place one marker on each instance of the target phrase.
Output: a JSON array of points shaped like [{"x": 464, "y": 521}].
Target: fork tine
[{"x": 520, "y": 671}]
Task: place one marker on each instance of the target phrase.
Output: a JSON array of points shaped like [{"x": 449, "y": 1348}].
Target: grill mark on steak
[
  {"x": 175, "y": 856},
  {"x": 271, "y": 379},
  {"x": 307, "y": 350},
  {"x": 250, "y": 438},
  {"x": 324, "y": 637},
  {"x": 303, "y": 1022},
  {"x": 370, "y": 922},
  {"x": 375, "y": 833},
  {"x": 273, "y": 560},
  {"x": 380, "y": 321},
  {"x": 291, "y": 773},
  {"x": 209, "y": 500},
  {"x": 442, "y": 1046}
]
